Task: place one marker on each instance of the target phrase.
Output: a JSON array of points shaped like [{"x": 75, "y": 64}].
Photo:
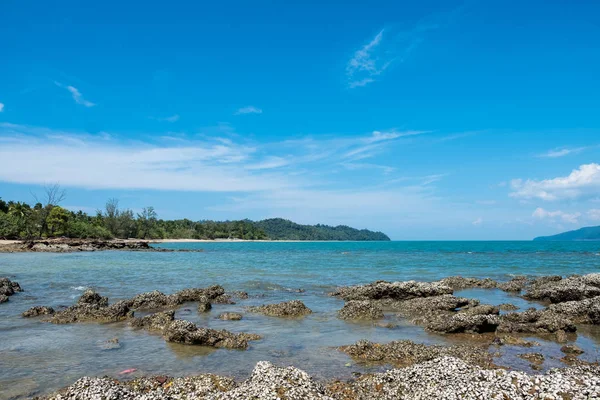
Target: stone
[
  {"x": 569, "y": 289},
  {"x": 8, "y": 288},
  {"x": 458, "y": 283},
  {"x": 294, "y": 308},
  {"x": 508, "y": 307},
  {"x": 37, "y": 311},
  {"x": 394, "y": 291},
  {"x": 204, "y": 306},
  {"x": 154, "y": 322},
  {"x": 93, "y": 313},
  {"x": 534, "y": 321},
  {"x": 230, "y": 316},
  {"x": 571, "y": 349},
  {"x": 93, "y": 298},
  {"x": 464, "y": 323},
  {"x": 186, "y": 332},
  {"x": 360, "y": 310}
]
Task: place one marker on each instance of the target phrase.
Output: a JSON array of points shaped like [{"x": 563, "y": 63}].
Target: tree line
[{"x": 47, "y": 219}]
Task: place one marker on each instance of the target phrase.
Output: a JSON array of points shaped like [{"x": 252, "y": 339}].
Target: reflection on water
[{"x": 37, "y": 357}]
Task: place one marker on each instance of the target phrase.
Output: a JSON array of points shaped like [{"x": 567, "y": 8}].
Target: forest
[{"x": 47, "y": 219}]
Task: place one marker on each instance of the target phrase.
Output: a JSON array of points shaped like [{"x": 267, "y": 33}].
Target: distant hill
[
  {"x": 589, "y": 233},
  {"x": 283, "y": 229}
]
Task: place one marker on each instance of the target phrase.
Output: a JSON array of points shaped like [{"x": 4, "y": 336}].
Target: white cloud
[
  {"x": 478, "y": 221},
  {"x": 571, "y": 218},
  {"x": 363, "y": 66},
  {"x": 1, "y": 107},
  {"x": 249, "y": 110},
  {"x": 594, "y": 214},
  {"x": 580, "y": 183},
  {"x": 561, "y": 152},
  {"x": 76, "y": 94}
]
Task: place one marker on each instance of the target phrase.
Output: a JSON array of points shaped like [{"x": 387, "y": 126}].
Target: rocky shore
[
  {"x": 440, "y": 378},
  {"x": 66, "y": 245}
]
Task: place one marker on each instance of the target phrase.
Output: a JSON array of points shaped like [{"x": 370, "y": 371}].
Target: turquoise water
[{"x": 37, "y": 357}]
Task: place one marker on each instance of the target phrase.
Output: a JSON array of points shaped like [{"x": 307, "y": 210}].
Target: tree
[
  {"x": 58, "y": 220},
  {"x": 111, "y": 216},
  {"x": 146, "y": 221},
  {"x": 53, "y": 196}
]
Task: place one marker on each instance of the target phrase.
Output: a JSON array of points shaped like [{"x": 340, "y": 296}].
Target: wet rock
[
  {"x": 154, "y": 322},
  {"x": 3, "y": 298},
  {"x": 535, "y": 321},
  {"x": 111, "y": 344},
  {"x": 8, "y": 287},
  {"x": 240, "y": 295},
  {"x": 186, "y": 332},
  {"x": 37, "y": 311},
  {"x": 197, "y": 294},
  {"x": 458, "y": 282},
  {"x": 387, "y": 325},
  {"x": 571, "y": 349},
  {"x": 507, "y": 307},
  {"x": 585, "y": 311},
  {"x": 149, "y": 301},
  {"x": 394, "y": 291},
  {"x": 464, "y": 323},
  {"x": 231, "y": 316},
  {"x": 428, "y": 305},
  {"x": 561, "y": 336},
  {"x": 516, "y": 284},
  {"x": 510, "y": 340},
  {"x": 534, "y": 358},
  {"x": 223, "y": 299},
  {"x": 360, "y": 309},
  {"x": 204, "y": 306},
  {"x": 404, "y": 353},
  {"x": 92, "y": 298},
  {"x": 294, "y": 308},
  {"x": 92, "y": 313},
  {"x": 569, "y": 289},
  {"x": 482, "y": 309}
]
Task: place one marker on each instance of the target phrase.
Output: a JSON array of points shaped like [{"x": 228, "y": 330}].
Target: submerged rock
[
  {"x": 571, "y": 349},
  {"x": 534, "y": 358},
  {"x": 204, "y": 306},
  {"x": 223, "y": 299},
  {"x": 186, "y": 332},
  {"x": 458, "y": 282},
  {"x": 360, "y": 309},
  {"x": 294, "y": 308},
  {"x": 3, "y": 298},
  {"x": 394, "y": 291},
  {"x": 405, "y": 352},
  {"x": 37, "y": 311},
  {"x": 510, "y": 340},
  {"x": 231, "y": 316},
  {"x": 433, "y": 304}
]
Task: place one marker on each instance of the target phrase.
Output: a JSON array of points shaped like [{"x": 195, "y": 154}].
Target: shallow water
[{"x": 37, "y": 357}]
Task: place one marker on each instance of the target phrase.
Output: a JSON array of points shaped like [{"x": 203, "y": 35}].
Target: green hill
[
  {"x": 283, "y": 229},
  {"x": 589, "y": 233}
]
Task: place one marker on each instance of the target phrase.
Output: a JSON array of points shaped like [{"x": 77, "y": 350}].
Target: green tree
[
  {"x": 146, "y": 221},
  {"x": 58, "y": 220}
]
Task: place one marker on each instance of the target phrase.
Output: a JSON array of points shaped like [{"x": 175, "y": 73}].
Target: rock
[
  {"x": 535, "y": 321},
  {"x": 3, "y": 298},
  {"x": 8, "y": 288},
  {"x": 395, "y": 291},
  {"x": 111, "y": 344},
  {"x": 569, "y": 289},
  {"x": 223, "y": 299},
  {"x": 507, "y": 307},
  {"x": 37, "y": 311},
  {"x": 93, "y": 313},
  {"x": 483, "y": 309},
  {"x": 93, "y": 298},
  {"x": 404, "y": 353},
  {"x": 154, "y": 322},
  {"x": 464, "y": 323},
  {"x": 197, "y": 294},
  {"x": 240, "y": 295},
  {"x": 586, "y": 311},
  {"x": 186, "y": 332},
  {"x": 431, "y": 305},
  {"x": 571, "y": 349},
  {"x": 360, "y": 309},
  {"x": 458, "y": 282},
  {"x": 204, "y": 306},
  {"x": 534, "y": 358},
  {"x": 516, "y": 284},
  {"x": 149, "y": 301},
  {"x": 510, "y": 340},
  {"x": 387, "y": 325},
  {"x": 294, "y": 308},
  {"x": 231, "y": 316},
  {"x": 561, "y": 336}
]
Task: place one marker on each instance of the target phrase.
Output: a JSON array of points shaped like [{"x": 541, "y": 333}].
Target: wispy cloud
[
  {"x": 583, "y": 182},
  {"x": 594, "y": 214},
  {"x": 76, "y": 94},
  {"x": 249, "y": 110},
  {"x": 478, "y": 221},
  {"x": 365, "y": 64},
  {"x": 172, "y": 118},
  {"x": 571, "y": 218},
  {"x": 561, "y": 152},
  {"x": 1, "y": 107}
]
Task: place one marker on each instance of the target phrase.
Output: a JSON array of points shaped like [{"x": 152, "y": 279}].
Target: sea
[{"x": 37, "y": 357}]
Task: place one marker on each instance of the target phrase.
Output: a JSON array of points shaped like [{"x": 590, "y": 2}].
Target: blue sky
[{"x": 436, "y": 120}]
